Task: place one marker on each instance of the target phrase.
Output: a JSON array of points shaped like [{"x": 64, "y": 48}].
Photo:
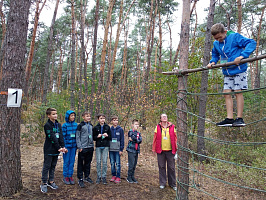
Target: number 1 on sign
[
  {"x": 14, "y": 97},
  {"x": 16, "y": 101}
]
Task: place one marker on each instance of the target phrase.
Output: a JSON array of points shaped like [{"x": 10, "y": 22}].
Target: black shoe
[
  {"x": 98, "y": 180},
  {"x": 81, "y": 183},
  {"x": 88, "y": 180},
  {"x": 239, "y": 122},
  {"x": 129, "y": 179},
  {"x": 104, "y": 181},
  {"x": 52, "y": 185},
  {"x": 134, "y": 180},
  {"x": 226, "y": 122}
]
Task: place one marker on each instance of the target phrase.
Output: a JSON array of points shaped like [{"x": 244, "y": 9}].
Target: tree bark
[
  {"x": 93, "y": 65},
  {"x": 239, "y": 13},
  {"x": 182, "y": 138},
  {"x": 204, "y": 83},
  {"x": 49, "y": 55},
  {"x": 73, "y": 53},
  {"x": 3, "y": 38},
  {"x": 13, "y": 77}
]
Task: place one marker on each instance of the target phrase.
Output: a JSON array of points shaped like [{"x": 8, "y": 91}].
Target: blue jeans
[
  {"x": 115, "y": 163},
  {"x": 69, "y": 160},
  {"x": 101, "y": 157}
]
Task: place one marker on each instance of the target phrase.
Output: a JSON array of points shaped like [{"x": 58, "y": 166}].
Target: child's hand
[
  {"x": 65, "y": 150},
  {"x": 80, "y": 150},
  {"x": 120, "y": 153},
  {"x": 238, "y": 59},
  {"x": 105, "y": 135},
  {"x": 210, "y": 65},
  {"x": 130, "y": 139},
  {"x": 99, "y": 135}
]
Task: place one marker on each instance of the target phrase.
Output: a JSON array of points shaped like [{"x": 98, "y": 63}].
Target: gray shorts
[{"x": 236, "y": 82}]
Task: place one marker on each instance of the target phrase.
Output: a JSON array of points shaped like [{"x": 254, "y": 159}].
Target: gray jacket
[{"x": 84, "y": 137}]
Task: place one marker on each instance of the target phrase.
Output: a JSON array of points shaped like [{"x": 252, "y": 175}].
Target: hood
[
  {"x": 69, "y": 112},
  {"x": 117, "y": 128},
  {"x": 168, "y": 124}
]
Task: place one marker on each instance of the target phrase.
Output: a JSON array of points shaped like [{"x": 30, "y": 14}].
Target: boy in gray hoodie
[{"x": 84, "y": 139}]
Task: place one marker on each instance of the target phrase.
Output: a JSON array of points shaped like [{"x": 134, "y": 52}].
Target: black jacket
[
  {"x": 102, "y": 142},
  {"x": 53, "y": 142}
]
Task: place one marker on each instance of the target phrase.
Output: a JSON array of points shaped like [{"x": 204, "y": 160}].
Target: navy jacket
[
  {"x": 131, "y": 144},
  {"x": 101, "y": 142},
  {"x": 118, "y": 133},
  {"x": 69, "y": 131},
  {"x": 54, "y": 138}
]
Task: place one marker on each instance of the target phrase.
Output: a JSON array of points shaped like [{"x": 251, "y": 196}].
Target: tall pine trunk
[{"x": 13, "y": 77}]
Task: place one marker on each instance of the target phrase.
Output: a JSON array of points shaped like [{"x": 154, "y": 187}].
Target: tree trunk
[
  {"x": 32, "y": 45},
  {"x": 83, "y": 59},
  {"x": 103, "y": 54},
  {"x": 49, "y": 55},
  {"x": 257, "y": 71},
  {"x": 93, "y": 65},
  {"x": 239, "y": 13},
  {"x": 3, "y": 38},
  {"x": 13, "y": 77},
  {"x": 204, "y": 83},
  {"x": 60, "y": 66},
  {"x": 73, "y": 53},
  {"x": 182, "y": 138}
]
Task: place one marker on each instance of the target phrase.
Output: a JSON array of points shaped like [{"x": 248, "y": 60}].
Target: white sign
[{"x": 14, "y": 97}]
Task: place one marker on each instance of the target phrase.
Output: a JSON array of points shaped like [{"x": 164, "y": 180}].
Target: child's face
[
  {"x": 53, "y": 116},
  {"x": 101, "y": 120},
  {"x": 86, "y": 118},
  {"x": 163, "y": 118},
  {"x": 72, "y": 117},
  {"x": 115, "y": 122},
  {"x": 135, "y": 125},
  {"x": 220, "y": 36}
]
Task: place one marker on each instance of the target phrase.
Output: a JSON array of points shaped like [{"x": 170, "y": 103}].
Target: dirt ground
[{"x": 146, "y": 174}]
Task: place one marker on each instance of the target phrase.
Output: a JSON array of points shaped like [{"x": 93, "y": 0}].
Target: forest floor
[{"x": 146, "y": 174}]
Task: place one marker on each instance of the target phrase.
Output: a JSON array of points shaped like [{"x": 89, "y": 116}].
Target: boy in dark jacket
[
  {"x": 84, "y": 139},
  {"x": 116, "y": 149},
  {"x": 102, "y": 136},
  {"x": 133, "y": 149},
  {"x": 69, "y": 133},
  {"x": 229, "y": 47},
  {"x": 53, "y": 145}
]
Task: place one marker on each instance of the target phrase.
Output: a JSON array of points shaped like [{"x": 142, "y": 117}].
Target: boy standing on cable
[{"x": 228, "y": 48}]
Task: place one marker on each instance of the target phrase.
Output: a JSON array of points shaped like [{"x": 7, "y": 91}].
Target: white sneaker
[
  {"x": 162, "y": 186},
  {"x": 174, "y": 188}
]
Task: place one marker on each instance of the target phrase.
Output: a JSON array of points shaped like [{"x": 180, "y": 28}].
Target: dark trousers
[
  {"x": 163, "y": 158},
  {"x": 132, "y": 163},
  {"x": 49, "y": 164},
  {"x": 84, "y": 163}
]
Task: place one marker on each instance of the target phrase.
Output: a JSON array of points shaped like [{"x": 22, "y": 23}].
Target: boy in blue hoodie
[
  {"x": 69, "y": 133},
  {"x": 228, "y": 48},
  {"x": 116, "y": 149}
]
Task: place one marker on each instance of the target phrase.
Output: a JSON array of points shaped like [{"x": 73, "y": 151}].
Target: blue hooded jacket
[
  {"x": 69, "y": 131},
  {"x": 118, "y": 133},
  {"x": 233, "y": 46}
]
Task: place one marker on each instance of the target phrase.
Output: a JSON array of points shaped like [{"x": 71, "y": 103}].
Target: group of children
[{"x": 71, "y": 137}]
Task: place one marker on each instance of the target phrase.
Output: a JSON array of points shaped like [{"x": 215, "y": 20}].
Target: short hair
[
  {"x": 100, "y": 115},
  {"x": 114, "y": 117},
  {"x": 49, "y": 111},
  {"x": 134, "y": 120},
  {"x": 217, "y": 28},
  {"x": 85, "y": 113}
]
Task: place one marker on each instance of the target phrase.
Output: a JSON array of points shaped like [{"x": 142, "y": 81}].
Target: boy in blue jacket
[
  {"x": 134, "y": 140},
  {"x": 69, "y": 133},
  {"x": 227, "y": 48},
  {"x": 116, "y": 149},
  {"x": 53, "y": 145}
]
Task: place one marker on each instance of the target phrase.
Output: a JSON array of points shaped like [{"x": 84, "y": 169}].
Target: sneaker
[
  {"x": 72, "y": 182},
  {"x": 81, "y": 183},
  {"x": 104, "y": 181},
  {"x": 174, "y": 188},
  {"x": 134, "y": 180},
  {"x": 129, "y": 179},
  {"x": 226, "y": 122},
  {"x": 162, "y": 186},
  {"x": 98, "y": 180},
  {"x": 52, "y": 185},
  {"x": 117, "y": 180},
  {"x": 239, "y": 122},
  {"x": 88, "y": 180},
  {"x": 66, "y": 180},
  {"x": 43, "y": 188},
  {"x": 113, "y": 179}
]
